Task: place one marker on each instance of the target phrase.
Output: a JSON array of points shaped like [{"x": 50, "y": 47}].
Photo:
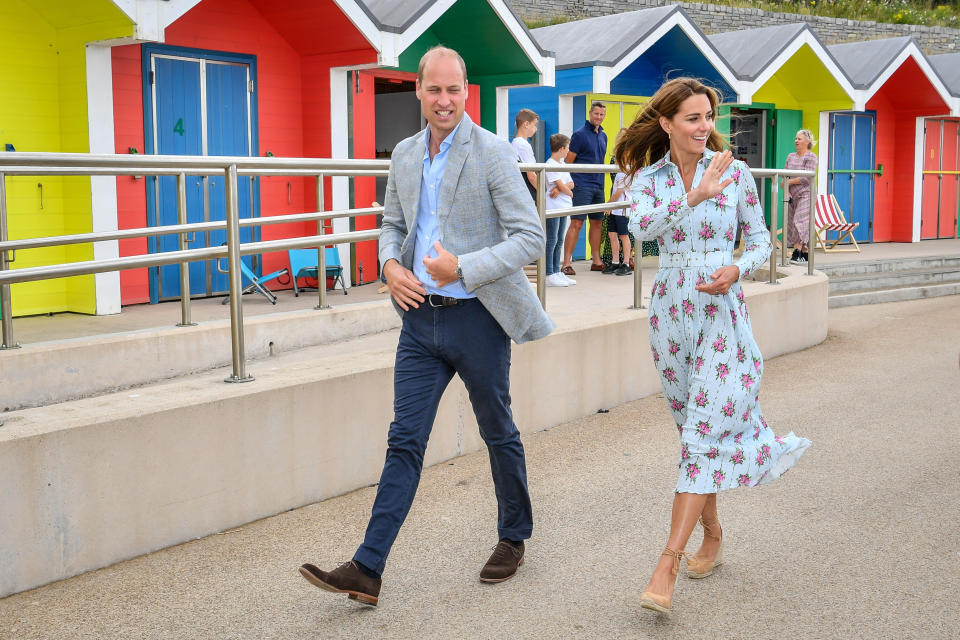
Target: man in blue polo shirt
[{"x": 588, "y": 145}]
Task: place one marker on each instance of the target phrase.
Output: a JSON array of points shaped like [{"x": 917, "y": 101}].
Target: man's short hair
[
  {"x": 440, "y": 50},
  {"x": 558, "y": 141},
  {"x": 597, "y": 103},
  {"x": 524, "y": 116}
]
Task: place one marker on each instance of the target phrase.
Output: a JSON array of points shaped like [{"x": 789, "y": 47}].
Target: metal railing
[{"x": 62, "y": 164}]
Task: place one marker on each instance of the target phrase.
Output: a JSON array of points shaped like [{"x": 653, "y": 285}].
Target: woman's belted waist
[{"x": 695, "y": 259}]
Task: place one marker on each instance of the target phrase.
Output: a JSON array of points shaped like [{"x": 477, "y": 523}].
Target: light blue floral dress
[{"x": 703, "y": 346}]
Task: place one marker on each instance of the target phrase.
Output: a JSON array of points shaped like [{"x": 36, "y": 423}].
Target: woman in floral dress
[{"x": 690, "y": 196}]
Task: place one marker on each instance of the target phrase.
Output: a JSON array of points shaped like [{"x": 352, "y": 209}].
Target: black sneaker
[
  {"x": 611, "y": 268},
  {"x": 801, "y": 259},
  {"x": 796, "y": 254},
  {"x": 623, "y": 270}
]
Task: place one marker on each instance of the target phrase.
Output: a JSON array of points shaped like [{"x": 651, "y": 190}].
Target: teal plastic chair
[
  {"x": 255, "y": 282},
  {"x": 303, "y": 264}
]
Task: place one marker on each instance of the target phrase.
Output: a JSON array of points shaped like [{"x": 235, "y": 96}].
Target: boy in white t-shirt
[
  {"x": 526, "y": 123},
  {"x": 559, "y": 196}
]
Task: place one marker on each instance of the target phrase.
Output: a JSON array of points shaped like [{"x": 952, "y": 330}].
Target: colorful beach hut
[
  {"x": 786, "y": 80},
  {"x": 53, "y": 89},
  {"x": 328, "y": 78},
  {"x": 872, "y": 153},
  {"x": 620, "y": 60},
  {"x": 939, "y": 171}
]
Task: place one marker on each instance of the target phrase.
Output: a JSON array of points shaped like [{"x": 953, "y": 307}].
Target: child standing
[
  {"x": 617, "y": 229},
  {"x": 526, "y": 123},
  {"x": 559, "y": 196}
]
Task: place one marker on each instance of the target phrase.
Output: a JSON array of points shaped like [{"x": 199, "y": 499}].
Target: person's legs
[
  {"x": 570, "y": 241},
  {"x": 593, "y": 237},
  {"x": 614, "y": 247},
  {"x": 687, "y": 508},
  {"x": 420, "y": 377},
  {"x": 550, "y": 250},
  {"x": 626, "y": 248},
  {"x": 710, "y": 545},
  {"x": 480, "y": 351}
]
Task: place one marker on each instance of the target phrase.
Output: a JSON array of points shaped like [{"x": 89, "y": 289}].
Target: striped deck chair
[{"x": 830, "y": 218}]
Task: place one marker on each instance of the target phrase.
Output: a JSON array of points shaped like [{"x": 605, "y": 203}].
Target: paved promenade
[{"x": 861, "y": 540}]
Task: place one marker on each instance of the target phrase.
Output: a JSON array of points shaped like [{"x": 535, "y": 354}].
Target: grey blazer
[{"x": 485, "y": 217}]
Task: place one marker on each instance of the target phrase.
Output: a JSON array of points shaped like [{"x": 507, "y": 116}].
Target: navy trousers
[{"x": 435, "y": 343}]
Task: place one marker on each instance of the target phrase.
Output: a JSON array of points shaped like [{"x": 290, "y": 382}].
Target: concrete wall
[
  {"x": 712, "y": 18},
  {"x": 88, "y": 483}
]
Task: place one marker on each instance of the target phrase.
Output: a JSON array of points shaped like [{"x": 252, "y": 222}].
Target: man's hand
[
  {"x": 723, "y": 278},
  {"x": 403, "y": 285},
  {"x": 443, "y": 268}
]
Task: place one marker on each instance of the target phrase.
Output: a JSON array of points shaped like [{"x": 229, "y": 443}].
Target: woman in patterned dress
[
  {"x": 798, "y": 209},
  {"x": 690, "y": 195}
]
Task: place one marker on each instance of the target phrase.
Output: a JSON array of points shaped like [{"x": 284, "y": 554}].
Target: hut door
[
  {"x": 851, "y": 170},
  {"x": 196, "y": 106},
  {"x": 941, "y": 181}
]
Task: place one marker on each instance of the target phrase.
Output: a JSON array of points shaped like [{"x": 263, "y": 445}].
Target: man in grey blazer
[{"x": 458, "y": 226}]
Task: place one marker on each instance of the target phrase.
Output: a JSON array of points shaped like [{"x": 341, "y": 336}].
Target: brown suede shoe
[
  {"x": 503, "y": 564},
  {"x": 348, "y": 579}
]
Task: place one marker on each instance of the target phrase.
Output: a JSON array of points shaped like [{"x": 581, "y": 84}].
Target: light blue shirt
[{"x": 428, "y": 231}]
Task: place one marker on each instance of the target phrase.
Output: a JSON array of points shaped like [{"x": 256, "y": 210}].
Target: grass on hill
[{"x": 931, "y": 13}]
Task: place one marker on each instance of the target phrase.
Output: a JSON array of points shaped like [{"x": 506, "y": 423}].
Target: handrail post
[
  {"x": 5, "y": 307},
  {"x": 236, "y": 291},
  {"x": 185, "y": 320},
  {"x": 542, "y": 212},
  {"x": 785, "y": 221},
  {"x": 321, "y": 252},
  {"x": 637, "y": 276},
  {"x": 774, "y": 196},
  {"x": 811, "y": 229}
]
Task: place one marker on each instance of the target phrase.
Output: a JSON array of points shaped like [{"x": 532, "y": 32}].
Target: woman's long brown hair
[{"x": 645, "y": 141}]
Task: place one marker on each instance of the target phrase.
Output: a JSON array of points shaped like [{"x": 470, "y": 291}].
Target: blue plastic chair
[
  {"x": 255, "y": 283},
  {"x": 303, "y": 264}
]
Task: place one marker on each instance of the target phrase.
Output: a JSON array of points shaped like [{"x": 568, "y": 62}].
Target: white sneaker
[
  {"x": 570, "y": 281},
  {"x": 554, "y": 281}
]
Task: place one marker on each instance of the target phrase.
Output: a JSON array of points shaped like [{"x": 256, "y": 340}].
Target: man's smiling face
[{"x": 443, "y": 94}]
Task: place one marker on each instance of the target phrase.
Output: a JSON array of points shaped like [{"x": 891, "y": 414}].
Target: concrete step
[
  {"x": 892, "y": 279},
  {"x": 893, "y": 294},
  {"x": 888, "y": 265}
]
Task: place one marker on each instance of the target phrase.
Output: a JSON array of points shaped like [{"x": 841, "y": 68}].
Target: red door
[
  {"x": 399, "y": 119},
  {"x": 941, "y": 180}
]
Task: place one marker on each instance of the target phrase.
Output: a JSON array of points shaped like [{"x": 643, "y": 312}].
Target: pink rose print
[
  {"x": 728, "y": 409},
  {"x": 722, "y": 371},
  {"x": 703, "y": 428},
  {"x": 676, "y": 404},
  {"x": 674, "y": 347},
  {"x": 746, "y": 416},
  {"x": 700, "y": 338},
  {"x": 647, "y": 190},
  {"x": 706, "y": 231},
  {"x": 657, "y": 202},
  {"x": 763, "y": 422},
  {"x": 702, "y": 398},
  {"x": 720, "y": 344},
  {"x": 718, "y": 478},
  {"x": 736, "y": 176},
  {"x": 671, "y": 181},
  {"x": 687, "y": 307},
  {"x": 697, "y": 364},
  {"x": 674, "y": 206},
  {"x": 674, "y": 312},
  {"x": 759, "y": 459},
  {"x": 681, "y": 279},
  {"x": 721, "y": 200},
  {"x": 756, "y": 433},
  {"x": 765, "y": 450},
  {"x": 684, "y": 451},
  {"x": 655, "y": 322},
  {"x": 744, "y": 480},
  {"x": 738, "y": 437},
  {"x": 779, "y": 439},
  {"x": 711, "y": 310},
  {"x": 645, "y": 222},
  {"x": 757, "y": 364},
  {"x": 741, "y": 354},
  {"x": 746, "y": 227},
  {"x": 660, "y": 241},
  {"x": 670, "y": 374},
  {"x": 679, "y": 235},
  {"x": 733, "y": 316},
  {"x": 700, "y": 279},
  {"x": 740, "y": 297},
  {"x": 656, "y": 355},
  {"x": 751, "y": 200},
  {"x": 662, "y": 291},
  {"x": 713, "y": 453},
  {"x": 747, "y": 381},
  {"x": 724, "y": 435},
  {"x": 693, "y": 470},
  {"x": 737, "y": 458},
  {"x": 728, "y": 234}
]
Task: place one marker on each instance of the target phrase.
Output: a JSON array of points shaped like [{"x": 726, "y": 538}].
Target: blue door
[
  {"x": 197, "y": 106},
  {"x": 852, "y": 168}
]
